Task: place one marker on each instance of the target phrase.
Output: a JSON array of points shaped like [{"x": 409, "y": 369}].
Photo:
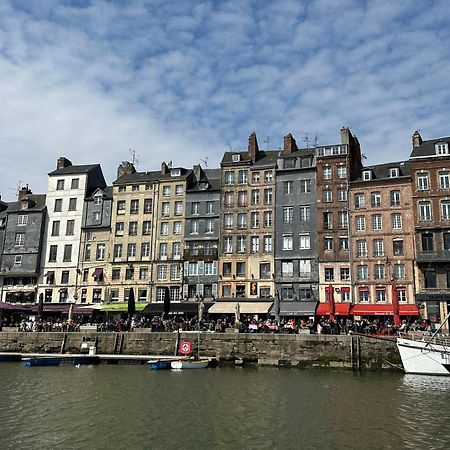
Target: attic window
[
  {"x": 393, "y": 172},
  {"x": 441, "y": 148},
  {"x": 24, "y": 204},
  {"x": 97, "y": 200},
  {"x": 203, "y": 186},
  {"x": 175, "y": 172},
  {"x": 367, "y": 175},
  {"x": 236, "y": 157}
]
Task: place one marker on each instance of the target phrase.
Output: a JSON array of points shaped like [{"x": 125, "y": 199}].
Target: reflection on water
[{"x": 117, "y": 407}]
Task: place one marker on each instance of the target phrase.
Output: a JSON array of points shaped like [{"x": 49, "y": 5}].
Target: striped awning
[{"x": 244, "y": 307}]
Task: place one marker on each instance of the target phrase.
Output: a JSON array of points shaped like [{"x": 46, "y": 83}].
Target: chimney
[
  {"x": 253, "y": 148},
  {"x": 63, "y": 162},
  {"x": 23, "y": 192},
  {"x": 416, "y": 139},
  {"x": 345, "y": 135},
  {"x": 126, "y": 168},
  {"x": 289, "y": 144},
  {"x": 164, "y": 168},
  {"x": 198, "y": 172}
]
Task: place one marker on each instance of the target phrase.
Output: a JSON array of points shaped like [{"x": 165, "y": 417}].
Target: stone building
[
  {"x": 296, "y": 266},
  {"x": 93, "y": 276},
  {"x": 132, "y": 237},
  {"x": 246, "y": 262},
  {"x": 201, "y": 234},
  {"x": 23, "y": 226},
  {"x": 68, "y": 187},
  {"x": 336, "y": 166},
  {"x": 382, "y": 241},
  {"x": 430, "y": 172}
]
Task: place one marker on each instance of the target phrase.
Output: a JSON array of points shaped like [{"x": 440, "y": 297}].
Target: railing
[
  {"x": 436, "y": 256},
  {"x": 426, "y": 337}
]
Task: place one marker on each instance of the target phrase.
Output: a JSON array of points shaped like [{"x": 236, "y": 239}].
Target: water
[{"x": 131, "y": 407}]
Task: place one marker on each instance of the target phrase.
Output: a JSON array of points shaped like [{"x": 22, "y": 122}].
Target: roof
[
  {"x": 265, "y": 158},
  {"x": 427, "y": 148},
  {"x": 298, "y": 153},
  {"x": 107, "y": 193},
  {"x": 74, "y": 170},
  {"x": 138, "y": 177},
  {"x": 381, "y": 171},
  {"x": 37, "y": 204}
]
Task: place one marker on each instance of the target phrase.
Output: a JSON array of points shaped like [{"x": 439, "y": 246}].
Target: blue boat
[
  {"x": 85, "y": 360},
  {"x": 32, "y": 362},
  {"x": 160, "y": 364},
  {"x": 10, "y": 358}
]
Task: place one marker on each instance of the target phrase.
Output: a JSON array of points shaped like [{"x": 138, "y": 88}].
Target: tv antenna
[
  {"x": 306, "y": 139},
  {"x": 316, "y": 140},
  {"x": 205, "y": 161},
  {"x": 134, "y": 157},
  {"x": 266, "y": 141},
  {"x": 231, "y": 148}
]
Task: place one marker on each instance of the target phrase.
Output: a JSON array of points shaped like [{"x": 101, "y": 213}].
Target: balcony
[
  {"x": 438, "y": 256},
  {"x": 200, "y": 253}
]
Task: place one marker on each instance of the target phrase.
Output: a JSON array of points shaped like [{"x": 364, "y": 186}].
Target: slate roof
[
  {"x": 298, "y": 153},
  {"x": 107, "y": 193},
  {"x": 265, "y": 158},
  {"x": 73, "y": 170},
  {"x": 381, "y": 171},
  {"x": 138, "y": 177},
  {"x": 38, "y": 204},
  {"x": 427, "y": 148}
]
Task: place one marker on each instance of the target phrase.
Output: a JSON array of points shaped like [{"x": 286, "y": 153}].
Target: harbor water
[{"x": 132, "y": 407}]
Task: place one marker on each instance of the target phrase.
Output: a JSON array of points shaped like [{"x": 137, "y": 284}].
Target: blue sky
[{"x": 182, "y": 80}]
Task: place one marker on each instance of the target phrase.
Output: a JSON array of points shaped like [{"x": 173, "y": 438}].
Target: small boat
[
  {"x": 85, "y": 360},
  {"x": 429, "y": 356},
  {"x": 190, "y": 364},
  {"x": 160, "y": 364},
  {"x": 34, "y": 362},
  {"x": 10, "y": 358}
]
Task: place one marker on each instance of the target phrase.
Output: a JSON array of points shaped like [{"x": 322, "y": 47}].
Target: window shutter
[
  {"x": 201, "y": 266},
  {"x": 185, "y": 291},
  {"x": 214, "y": 289}
]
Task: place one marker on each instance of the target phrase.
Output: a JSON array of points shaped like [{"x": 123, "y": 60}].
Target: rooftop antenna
[
  {"x": 231, "y": 148},
  {"x": 266, "y": 141},
  {"x": 316, "y": 140},
  {"x": 15, "y": 190},
  {"x": 134, "y": 157},
  {"x": 169, "y": 164},
  {"x": 205, "y": 161},
  {"x": 306, "y": 139}
]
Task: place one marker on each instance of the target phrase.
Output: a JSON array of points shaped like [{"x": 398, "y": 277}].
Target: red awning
[
  {"x": 49, "y": 274},
  {"x": 383, "y": 310},
  {"x": 98, "y": 272},
  {"x": 340, "y": 309}
]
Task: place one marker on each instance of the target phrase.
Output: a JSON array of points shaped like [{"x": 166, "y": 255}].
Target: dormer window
[
  {"x": 203, "y": 186},
  {"x": 236, "y": 157},
  {"x": 441, "y": 148},
  {"x": 175, "y": 172},
  {"x": 97, "y": 200},
  {"x": 393, "y": 172},
  {"x": 367, "y": 175},
  {"x": 24, "y": 204}
]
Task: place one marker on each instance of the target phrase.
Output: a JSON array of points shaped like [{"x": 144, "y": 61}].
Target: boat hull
[
  {"x": 34, "y": 362},
  {"x": 160, "y": 364},
  {"x": 201, "y": 364},
  {"x": 424, "y": 358}
]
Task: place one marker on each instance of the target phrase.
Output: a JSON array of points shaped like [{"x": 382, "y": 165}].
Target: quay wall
[{"x": 301, "y": 351}]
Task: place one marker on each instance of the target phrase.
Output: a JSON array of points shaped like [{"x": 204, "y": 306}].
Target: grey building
[
  {"x": 201, "y": 234},
  {"x": 23, "y": 227},
  {"x": 296, "y": 265}
]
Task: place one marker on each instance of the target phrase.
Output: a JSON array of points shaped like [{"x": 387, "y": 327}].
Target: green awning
[{"x": 122, "y": 307}]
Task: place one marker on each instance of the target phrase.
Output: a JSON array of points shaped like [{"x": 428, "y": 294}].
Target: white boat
[
  {"x": 190, "y": 364},
  {"x": 426, "y": 356}
]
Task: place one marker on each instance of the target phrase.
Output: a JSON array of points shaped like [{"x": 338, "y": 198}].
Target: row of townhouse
[{"x": 293, "y": 225}]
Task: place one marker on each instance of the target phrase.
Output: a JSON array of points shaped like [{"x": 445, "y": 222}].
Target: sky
[{"x": 188, "y": 80}]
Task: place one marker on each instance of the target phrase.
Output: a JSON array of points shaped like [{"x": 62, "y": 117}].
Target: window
[
  {"x": 131, "y": 250},
  {"x": 87, "y": 252},
  {"x": 226, "y": 269},
  {"x": 164, "y": 231},
  {"x": 444, "y": 179},
  {"x": 305, "y": 186},
  {"x": 166, "y": 191},
  {"x": 193, "y": 269},
  {"x": 177, "y": 227},
  {"x": 378, "y": 247},
  {"x": 135, "y": 188},
  {"x": 345, "y": 274},
  {"x": 445, "y": 210},
  {"x": 395, "y": 198},
  {"x": 97, "y": 216},
  {"x": 242, "y": 220},
  {"x": 328, "y": 244},
  {"x": 342, "y": 171},
  {"x": 362, "y": 272},
  {"x": 342, "y": 194},
  {"x": 345, "y": 294},
  {"x": 72, "y": 204},
  {"x": 242, "y": 198},
  {"x": 209, "y": 207},
  {"x": 20, "y": 239},
  {"x": 22, "y": 221},
  {"x": 98, "y": 200},
  {"x": 430, "y": 278},
  {"x": 396, "y": 220},
  {"x": 327, "y": 220},
  {"x": 100, "y": 252},
  {"x": 255, "y": 244},
  {"x": 427, "y": 242},
  {"x": 305, "y": 268},
  {"x": 121, "y": 207},
  {"x": 18, "y": 260},
  {"x": 240, "y": 269},
  {"x": 401, "y": 294},
  {"x": 242, "y": 177},
  {"x": 256, "y": 176},
  {"x": 329, "y": 274},
  {"x": 367, "y": 175},
  {"x": 160, "y": 294},
  {"x": 287, "y": 292},
  {"x": 240, "y": 244},
  {"x": 363, "y": 295},
  {"x": 267, "y": 219},
  {"x": 176, "y": 249},
  {"x": 287, "y": 241},
  {"x": 58, "y": 205},
  {"x": 264, "y": 271},
  {"x": 343, "y": 220},
  {"x": 146, "y": 227},
  {"x": 226, "y": 290},
  {"x": 75, "y": 183},
  {"x": 446, "y": 239},
  {"x": 134, "y": 207},
  {"x": 162, "y": 272},
  {"x": 115, "y": 274},
  {"x": 287, "y": 269},
  {"x": 145, "y": 249},
  {"x": 228, "y": 199},
  {"x": 288, "y": 214},
  {"x": 425, "y": 213},
  {"x": 288, "y": 187},
  {"x": 85, "y": 275},
  {"x": 397, "y": 246},
  {"x": 267, "y": 244},
  {"x": 228, "y": 244},
  {"x": 399, "y": 271},
  {"x": 117, "y": 251},
  {"x": 67, "y": 252},
  {"x": 360, "y": 223},
  {"x": 441, "y": 148},
  {"x": 423, "y": 182},
  {"x": 122, "y": 189},
  {"x": 343, "y": 243},
  {"x": 327, "y": 173},
  {"x": 178, "y": 208},
  {"x": 268, "y": 196},
  {"x": 194, "y": 226},
  {"x": 305, "y": 214},
  {"x": 359, "y": 201},
  {"x": 175, "y": 272},
  {"x": 52, "y": 253},
  {"x": 229, "y": 177},
  {"x": 327, "y": 195},
  {"x": 132, "y": 228},
  {"x": 378, "y": 271},
  {"x": 240, "y": 290},
  {"x": 64, "y": 277},
  {"x": 254, "y": 216},
  {"x": 393, "y": 172},
  {"x": 361, "y": 248},
  {"x": 179, "y": 189},
  {"x": 375, "y": 199},
  {"x": 305, "y": 242},
  {"x": 255, "y": 197},
  {"x": 210, "y": 268},
  {"x": 380, "y": 293},
  {"x": 148, "y": 205},
  {"x": 228, "y": 221},
  {"x": 377, "y": 222},
  {"x": 268, "y": 176},
  {"x": 163, "y": 250},
  {"x": 59, "y": 185},
  {"x": 55, "y": 227}
]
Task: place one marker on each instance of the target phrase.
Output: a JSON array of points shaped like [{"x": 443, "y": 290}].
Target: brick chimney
[
  {"x": 416, "y": 139},
  {"x": 253, "y": 148},
  {"x": 63, "y": 162},
  {"x": 164, "y": 168},
  {"x": 126, "y": 168},
  {"x": 289, "y": 144},
  {"x": 23, "y": 192},
  {"x": 198, "y": 172}
]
